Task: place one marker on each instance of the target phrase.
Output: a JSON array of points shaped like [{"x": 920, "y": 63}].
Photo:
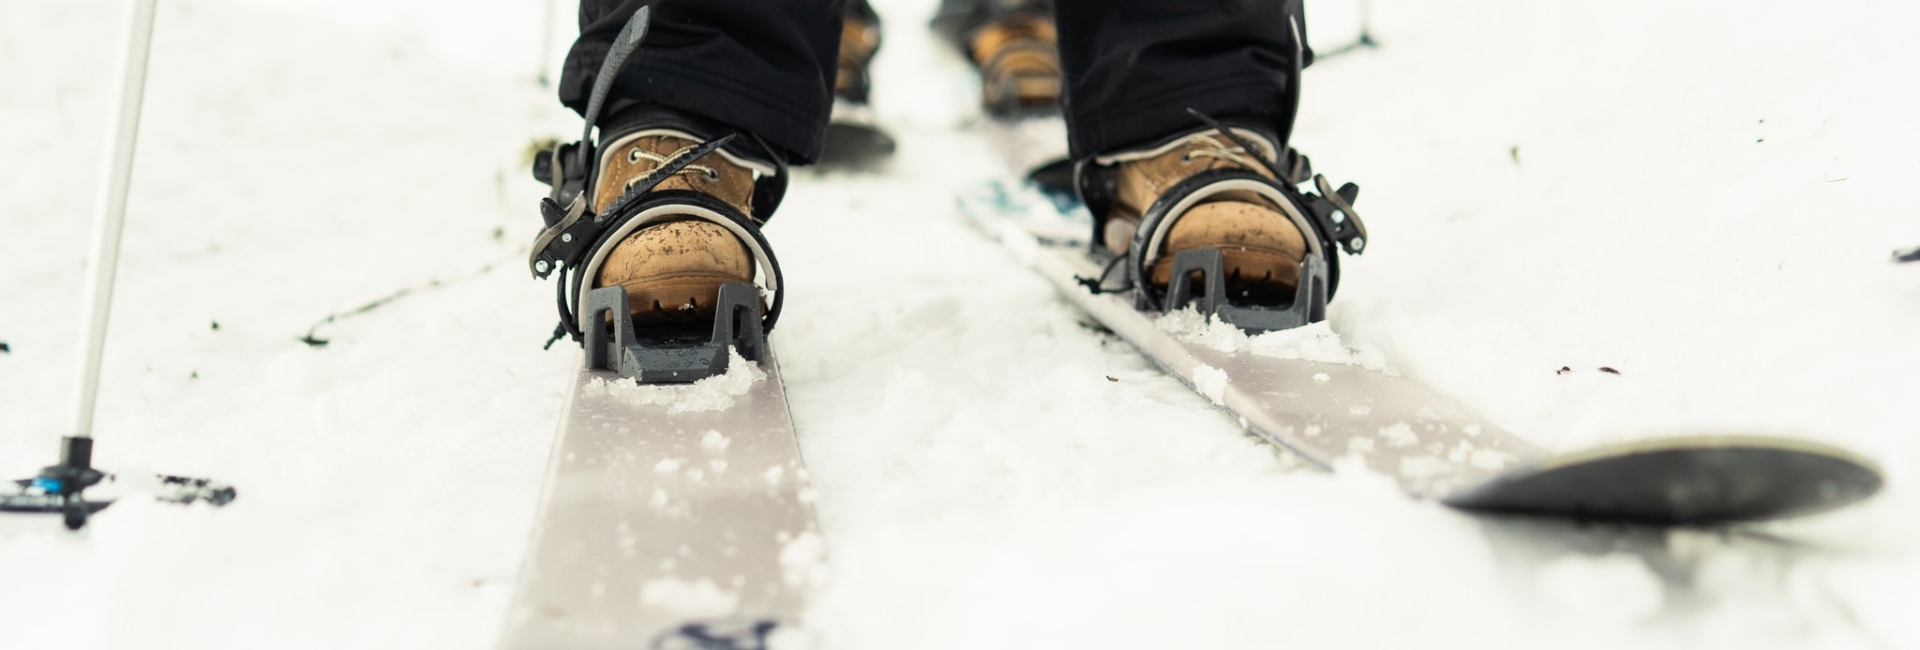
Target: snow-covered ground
[{"x": 1700, "y": 195}]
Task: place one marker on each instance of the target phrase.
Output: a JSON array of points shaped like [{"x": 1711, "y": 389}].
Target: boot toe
[
  {"x": 672, "y": 272},
  {"x": 1261, "y": 250}
]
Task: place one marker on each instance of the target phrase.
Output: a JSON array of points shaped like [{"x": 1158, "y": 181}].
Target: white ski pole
[
  {"x": 110, "y": 213},
  {"x": 58, "y": 488},
  {"x": 546, "y": 42}
]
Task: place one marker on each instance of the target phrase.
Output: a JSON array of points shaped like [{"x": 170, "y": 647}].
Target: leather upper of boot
[
  {"x": 859, "y": 39},
  {"x": 1019, "y": 61},
  {"x": 672, "y": 271},
  {"x": 1261, "y": 244},
  {"x": 630, "y": 158}
]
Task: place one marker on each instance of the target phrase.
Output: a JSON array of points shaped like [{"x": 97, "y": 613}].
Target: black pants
[{"x": 1133, "y": 67}]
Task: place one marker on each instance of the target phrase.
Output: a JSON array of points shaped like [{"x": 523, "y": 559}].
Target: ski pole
[
  {"x": 1366, "y": 24},
  {"x": 109, "y": 218},
  {"x": 58, "y": 488},
  {"x": 546, "y": 42}
]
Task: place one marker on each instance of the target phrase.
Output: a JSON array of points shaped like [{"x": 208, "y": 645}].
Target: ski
[
  {"x": 676, "y": 511},
  {"x": 1333, "y": 411},
  {"x": 855, "y": 139},
  {"x": 677, "y": 515}
]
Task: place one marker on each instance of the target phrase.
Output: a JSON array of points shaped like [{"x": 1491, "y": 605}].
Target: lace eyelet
[
  {"x": 633, "y": 156},
  {"x": 713, "y": 175}
]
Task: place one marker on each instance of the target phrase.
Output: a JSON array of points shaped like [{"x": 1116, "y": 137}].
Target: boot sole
[{"x": 1016, "y": 93}]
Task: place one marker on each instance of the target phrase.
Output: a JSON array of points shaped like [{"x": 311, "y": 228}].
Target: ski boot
[
  {"x": 655, "y": 232},
  {"x": 1212, "y": 218},
  {"x": 854, "y": 137},
  {"x": 1016, "y": 51},
  {"x": 1019, "y": 60},
  {"x": 672, "y": 271}
]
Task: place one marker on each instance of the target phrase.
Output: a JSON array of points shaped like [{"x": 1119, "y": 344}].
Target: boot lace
[
  {"x": 1205, "y": 145},
  {"x": 638, "y": 154}
]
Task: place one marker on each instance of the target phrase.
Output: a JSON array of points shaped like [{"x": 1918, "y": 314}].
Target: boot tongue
[
  {"x": 1145, "y": 175},
  {"x": 630, "y": 118},
  {"x": 1221, "y": 153},
  {"x": 636, "y": 155}
]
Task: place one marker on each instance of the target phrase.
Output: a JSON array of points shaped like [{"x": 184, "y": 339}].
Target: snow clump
[
  {"x": 714, "y": 393},
  {"x": 1314, "y": 342}
]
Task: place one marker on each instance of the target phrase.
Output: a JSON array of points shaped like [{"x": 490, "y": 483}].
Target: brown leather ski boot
[
  {"x": 1261, "y": 247},
  {"x": 672, "y": 272},
  {"x": 859, "y": 40},
  {"x": 854, "y": 138},
  {"x": 1019, "y": 61}
]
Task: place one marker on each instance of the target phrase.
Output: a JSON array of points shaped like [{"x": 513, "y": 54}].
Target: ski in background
[
  {"x": 1908, "y": 255},
  {"x": 1334, "y": 412},
  {"x": 676, "y": 511},
  {"x": 62, "y": 488},
  {"x": 855, "y": 138}
]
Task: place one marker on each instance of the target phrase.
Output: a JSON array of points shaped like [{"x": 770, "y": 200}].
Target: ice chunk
[
  {"x": 1360, "y": 445},
  {"x": 1489, "y": 459},
  {"x": 1424, "y": 467},
  {"x": 803, "y": 559},
  {"x": 1400, "y": 435},
  {"x": 1211, "y": 382},
  {"x": 1210, "y": 332},
  {"x": 689, "y": 598}
]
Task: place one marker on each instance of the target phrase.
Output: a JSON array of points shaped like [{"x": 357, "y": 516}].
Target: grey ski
[
  {"x": 667, "y": 527},
  {"x": 1332, "y": 413}
]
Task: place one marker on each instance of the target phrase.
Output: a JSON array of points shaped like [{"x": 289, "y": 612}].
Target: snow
[
  {"x": 694, "y": 599},
  {"x": 1211, "y": 382},
  {"x": 1315, "y": 342},
  {"x": 716, "y": 393},
  {"x": 1699, "y": 195},
  {"x": 1607, "y": 590}
]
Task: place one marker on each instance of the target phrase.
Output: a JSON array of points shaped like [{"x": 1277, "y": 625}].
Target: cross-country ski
[{"x": 957, "y": 324}]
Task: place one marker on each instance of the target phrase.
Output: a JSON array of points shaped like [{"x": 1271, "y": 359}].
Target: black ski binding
[
  {"x": 667, "y": 357},
  {"x": 1326, "y": 218},
  {"x": 576, "y": 240},
  {"x": 1308, "y": 306}
]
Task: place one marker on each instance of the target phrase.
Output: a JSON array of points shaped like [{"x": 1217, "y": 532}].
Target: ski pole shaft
[
  {"x": 546, "y": 42},
  {"x": 110, "y": 209}
]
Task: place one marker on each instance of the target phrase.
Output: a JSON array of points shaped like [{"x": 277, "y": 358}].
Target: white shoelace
[
  {"x": 638, "y": 154},
  {"x": 1218, "y": 150}
]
